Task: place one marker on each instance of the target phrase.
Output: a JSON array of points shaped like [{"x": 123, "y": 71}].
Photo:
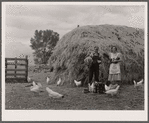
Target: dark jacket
[{"x": 96, "y": 57}]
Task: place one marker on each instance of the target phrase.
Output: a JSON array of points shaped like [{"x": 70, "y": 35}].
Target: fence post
[
  {"x": 15, "y": 66},
  {"x": 26, "y": 68},
  {"x": 5, "y": 68}
]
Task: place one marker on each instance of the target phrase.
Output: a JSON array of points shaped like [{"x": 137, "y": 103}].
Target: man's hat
[{"x": 96, "y": 47}]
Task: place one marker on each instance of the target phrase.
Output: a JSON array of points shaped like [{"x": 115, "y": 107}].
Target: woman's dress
[{"x": 114, "y": 70}]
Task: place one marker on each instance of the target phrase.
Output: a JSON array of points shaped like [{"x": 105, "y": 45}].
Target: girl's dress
[{"x": 114, "y": 71}]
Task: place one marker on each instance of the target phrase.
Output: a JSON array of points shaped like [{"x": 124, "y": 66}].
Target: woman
[{"x": 114, "y": 70}]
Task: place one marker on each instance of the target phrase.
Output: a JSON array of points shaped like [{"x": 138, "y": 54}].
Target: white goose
[
  {"x": 39, "y": 84},
  {"x": 89, "y": 87},
  {"x": 136, "y": 84},
  {"x": 34, "y": 83},
  {"x": 35, "y": 87},
  {"x": 59, "y": 82},
  {"x": 54, "y": 94},
  {"x": 92, "y": 86},
  {"x": 48, "y": 80},
  {"x": 107, "y": 87},
  {"x": 78, "y": 83},
  {"x": 113, "y": 91},
  {"x": 29, "y": 79}
]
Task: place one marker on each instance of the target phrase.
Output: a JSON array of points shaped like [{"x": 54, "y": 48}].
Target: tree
[{"x": 43, "y": 43}]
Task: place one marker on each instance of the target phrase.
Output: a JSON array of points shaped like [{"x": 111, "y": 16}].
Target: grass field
[{"x": 20, "y": 97}]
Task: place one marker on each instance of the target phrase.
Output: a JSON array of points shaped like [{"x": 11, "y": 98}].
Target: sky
[{"x": 22, "y": 20}]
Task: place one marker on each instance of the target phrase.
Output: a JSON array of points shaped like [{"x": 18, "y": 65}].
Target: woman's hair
[{"x": 113, "y": 47}]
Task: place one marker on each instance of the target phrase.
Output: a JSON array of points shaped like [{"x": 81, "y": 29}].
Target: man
[{"x": 94, "y": 67}]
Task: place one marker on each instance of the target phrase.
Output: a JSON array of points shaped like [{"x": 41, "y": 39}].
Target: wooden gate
[{"x": 16, "y": 68}]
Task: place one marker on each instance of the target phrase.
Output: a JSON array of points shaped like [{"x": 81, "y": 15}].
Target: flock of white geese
[{"x": 36, "y": 87}]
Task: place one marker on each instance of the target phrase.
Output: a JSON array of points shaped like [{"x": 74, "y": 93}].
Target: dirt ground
[{"x": 20, "y": 97}]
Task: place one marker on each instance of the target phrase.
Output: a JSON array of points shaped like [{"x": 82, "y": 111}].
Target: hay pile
[{"x": 70, "y": 52}]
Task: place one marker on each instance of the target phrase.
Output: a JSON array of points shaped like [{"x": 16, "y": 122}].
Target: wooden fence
[{"x": 14, "y": 68}]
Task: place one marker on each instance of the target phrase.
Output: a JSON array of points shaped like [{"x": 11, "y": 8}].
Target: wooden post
[
  {"x": 15, "y": 66},
  {"x": 26, "y": 68},
  {"x": 5, "y": 68}
]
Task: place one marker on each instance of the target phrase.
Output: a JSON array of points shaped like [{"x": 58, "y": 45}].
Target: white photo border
[{"x": 74, "y": 115}]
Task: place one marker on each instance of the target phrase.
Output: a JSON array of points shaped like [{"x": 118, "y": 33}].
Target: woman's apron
[{"x": 114, "y": 67}]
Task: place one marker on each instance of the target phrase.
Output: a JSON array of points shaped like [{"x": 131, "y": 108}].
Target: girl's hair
[{"x": 113, "y": 47}]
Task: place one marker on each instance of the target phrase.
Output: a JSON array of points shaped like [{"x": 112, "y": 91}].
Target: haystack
[{"x": 70, "y": 52}]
